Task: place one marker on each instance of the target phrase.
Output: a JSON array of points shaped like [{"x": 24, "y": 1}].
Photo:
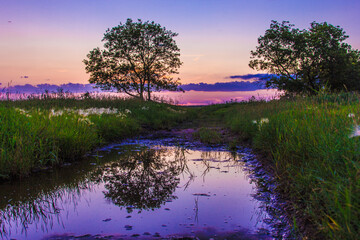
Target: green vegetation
[
  {"x": 38, "y": 133},
  {"x": 138, "y": 58},
  {"x": 208, "y": 136},
  {"x": 312, "y": 143},
  {"x": 311, "y": 146},
  {"x": 309, "y": 60}
]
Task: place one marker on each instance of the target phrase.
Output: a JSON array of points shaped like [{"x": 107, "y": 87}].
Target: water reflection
[
  {"x": 271, "y": 209},
  {"x": 140, "y": 178},
  {"x": 36, "y": 200},
  {"x": 201, "y": 188},
  {"x": 143, "y": 179}
]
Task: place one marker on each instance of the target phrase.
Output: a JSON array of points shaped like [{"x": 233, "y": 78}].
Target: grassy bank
[
  {"x": 314, "y": 154},
  {"x": 308, "y": 142},
  {"x": 37, "y": 133}
]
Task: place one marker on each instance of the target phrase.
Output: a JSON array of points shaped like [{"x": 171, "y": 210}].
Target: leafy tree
[
  {"x": 306, "y": 61},
  {"x": 138, "y": 57}
]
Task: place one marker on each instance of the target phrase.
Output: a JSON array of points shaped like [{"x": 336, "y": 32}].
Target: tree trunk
[
  {"x": 149, "y": 89},
  {"x": 142, "y": 90}
]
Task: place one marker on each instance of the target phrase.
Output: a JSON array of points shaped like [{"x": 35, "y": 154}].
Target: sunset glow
[
  {"x": 46, "y": 41},
  {"x": 196, "y": 98}
]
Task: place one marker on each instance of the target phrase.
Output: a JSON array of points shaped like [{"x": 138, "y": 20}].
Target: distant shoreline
[{"x": 188, "y": 98}]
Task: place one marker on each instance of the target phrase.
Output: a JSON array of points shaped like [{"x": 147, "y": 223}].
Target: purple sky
[{"x": 45, "y": 41}]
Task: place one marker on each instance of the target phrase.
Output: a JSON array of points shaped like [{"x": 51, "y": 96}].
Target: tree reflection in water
[{"x": 143, "y": 179}]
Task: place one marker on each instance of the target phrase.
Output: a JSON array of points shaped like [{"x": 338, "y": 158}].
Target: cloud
[
  {"x": 81, "y": 88},
  {"x": 27, "y": 88},
  {"x": 41, "y": 88},
  {"x": 260, "y": 76},
  {"x": 24, "y": 76},
  {"x": 225, "y": 86}
]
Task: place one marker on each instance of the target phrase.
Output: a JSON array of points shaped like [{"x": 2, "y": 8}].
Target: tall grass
[
  {"x": 37, "y": 133},
  {"x": 314, "y": 157},
  {"x": 34, "y": 140},
  {"x": 308, "y": 141}
]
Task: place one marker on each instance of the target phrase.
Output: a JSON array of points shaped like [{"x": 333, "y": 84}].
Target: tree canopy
[
  {"x": 138, "y": 58},
  {"x": 306, "y": 61}
]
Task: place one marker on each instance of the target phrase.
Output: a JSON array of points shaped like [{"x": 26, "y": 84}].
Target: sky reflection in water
[{"x": 134, "y": 190}]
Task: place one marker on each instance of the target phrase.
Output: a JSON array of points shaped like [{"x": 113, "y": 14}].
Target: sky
[{"x": 45, "y": 41}]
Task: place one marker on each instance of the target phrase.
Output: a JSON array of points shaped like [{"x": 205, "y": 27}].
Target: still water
[{"x": 139, "y": 189}]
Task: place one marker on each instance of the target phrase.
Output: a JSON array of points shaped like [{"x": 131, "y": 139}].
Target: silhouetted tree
[
  {"x": 306, "y": 61},
  {"x": 139, "y": 57}
]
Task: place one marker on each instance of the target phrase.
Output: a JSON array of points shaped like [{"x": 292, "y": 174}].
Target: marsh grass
[
  {"x": 314, "y": 157},
  {"x": 309, "y": 142},
  {"x": 208, "y": 136},
  {"x": 37, "y": 133}
]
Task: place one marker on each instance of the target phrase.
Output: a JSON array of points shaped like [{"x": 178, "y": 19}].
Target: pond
[{"x": 144, "y": 189}]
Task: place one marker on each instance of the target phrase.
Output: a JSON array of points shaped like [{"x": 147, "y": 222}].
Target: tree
[
  {"x": 306, "y": 61},
  {"x": 138, "y": 58}
]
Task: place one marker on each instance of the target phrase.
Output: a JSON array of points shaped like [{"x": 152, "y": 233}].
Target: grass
[
  {"x": 307, "y": 142},
  {"x": 314, "y": 159},
  {"x": 38, "y": 133},
  {"x": 208, "y": 136}
]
